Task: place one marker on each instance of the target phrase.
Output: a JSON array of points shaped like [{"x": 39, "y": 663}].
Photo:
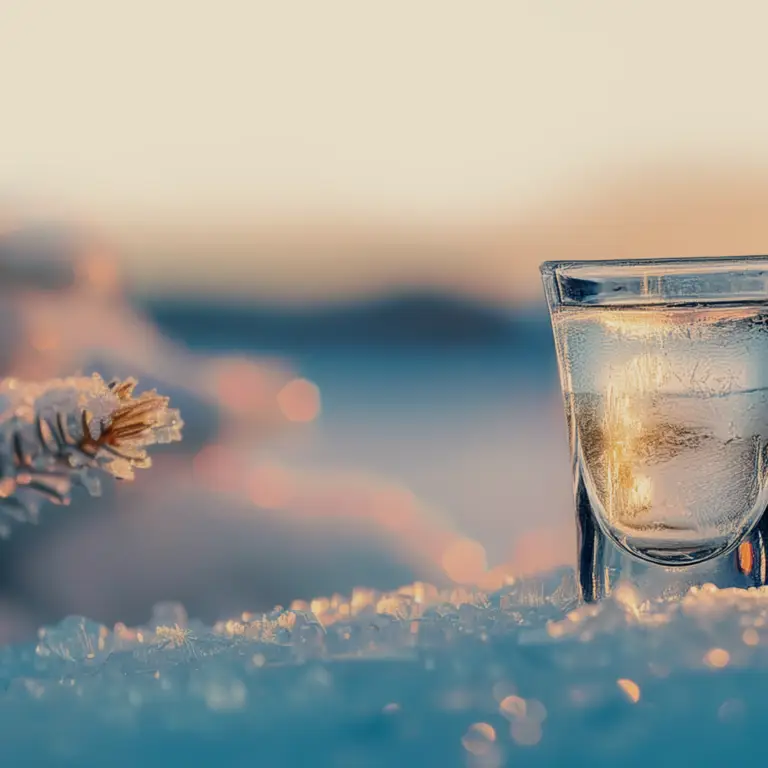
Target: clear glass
[{"x": 664, "y": 371}]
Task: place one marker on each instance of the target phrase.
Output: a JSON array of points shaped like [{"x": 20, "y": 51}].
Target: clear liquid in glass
[{"x": 667, "y": 409}]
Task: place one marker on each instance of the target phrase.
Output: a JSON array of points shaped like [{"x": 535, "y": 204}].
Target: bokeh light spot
[
  {"x": 479, "y": 738},
  {"x": 731, "y": 710},
  {"x": 465, "y": 561},
  {"x": 512, "y": 707},
  {"x": 299, "y": 400},
  {"x": 717, "y": 658},
  {"x": 630, "y": 689},
  {"x": 750, "y": 636},
  {"x": 526, "y": 732}
]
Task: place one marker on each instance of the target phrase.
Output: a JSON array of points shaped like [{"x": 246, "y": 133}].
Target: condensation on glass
[{"x": 664, "y": 371}]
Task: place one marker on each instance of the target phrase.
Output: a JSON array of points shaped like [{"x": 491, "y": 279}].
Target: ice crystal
[
  {"x": 419, "y": 676},
  {"x": 65, "y": 432}
]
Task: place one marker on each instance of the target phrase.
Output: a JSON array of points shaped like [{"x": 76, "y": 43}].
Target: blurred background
[{"x": 317, "y": 227}]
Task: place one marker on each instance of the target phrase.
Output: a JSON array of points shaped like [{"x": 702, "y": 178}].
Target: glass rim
[
  {"x": 639, "y": 282},
  {"x": 669, "y": 261}
]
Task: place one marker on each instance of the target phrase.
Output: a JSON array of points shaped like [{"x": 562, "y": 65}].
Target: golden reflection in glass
[
  {"x": 638, "y": 325},
  {"x": 746, "y": 556},
  {"x": 629, "y": 492}
]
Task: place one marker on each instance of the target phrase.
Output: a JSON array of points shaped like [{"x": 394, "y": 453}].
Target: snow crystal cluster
[{"x": 523, "y": 676}]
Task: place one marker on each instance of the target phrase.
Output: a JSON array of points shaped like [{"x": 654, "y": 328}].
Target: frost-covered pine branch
[{"x": 66, "y": 432}]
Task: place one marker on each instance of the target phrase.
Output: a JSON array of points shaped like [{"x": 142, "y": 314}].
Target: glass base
[{"x": 602, "y": 564}]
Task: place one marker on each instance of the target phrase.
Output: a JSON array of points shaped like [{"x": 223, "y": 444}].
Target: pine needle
[{"x": 68, "y": 432}]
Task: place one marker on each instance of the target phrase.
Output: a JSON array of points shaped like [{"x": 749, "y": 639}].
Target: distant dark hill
[{"x": 409, "y": 320}]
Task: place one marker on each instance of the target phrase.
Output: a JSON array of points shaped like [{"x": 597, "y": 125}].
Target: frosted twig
[{"x": 66, "y": 432}]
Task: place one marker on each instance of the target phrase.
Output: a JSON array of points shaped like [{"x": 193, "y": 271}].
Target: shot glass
[{"x": 664, "y": 373}]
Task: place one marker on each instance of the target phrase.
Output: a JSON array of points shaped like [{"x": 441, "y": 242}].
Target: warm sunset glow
[
  {"x": 97, "y": 268},
  {"x": 218, "y": 467},
  {"x": 299, "y": 400},
  {"x": 44, "y": 340},
  {"x": 641, "y": 325},
  {"x": 538, "y": 550},
  {"x": 271, "y": 486},
  {"x": 637, "y": 325},
  {"x": 396, "y": 508},
  {"x": 465, "y": 561},
  {"x": 240, "y": 384}
]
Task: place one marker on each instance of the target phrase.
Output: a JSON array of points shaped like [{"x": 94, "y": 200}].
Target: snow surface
[{"x": 523, "y": 676}]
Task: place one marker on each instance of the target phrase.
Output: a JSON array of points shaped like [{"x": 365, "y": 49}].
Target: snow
[{"x": 522, "y": 676}]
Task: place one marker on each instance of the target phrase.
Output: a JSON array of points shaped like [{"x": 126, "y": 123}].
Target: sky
[{"x": 166, "y": 121}]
